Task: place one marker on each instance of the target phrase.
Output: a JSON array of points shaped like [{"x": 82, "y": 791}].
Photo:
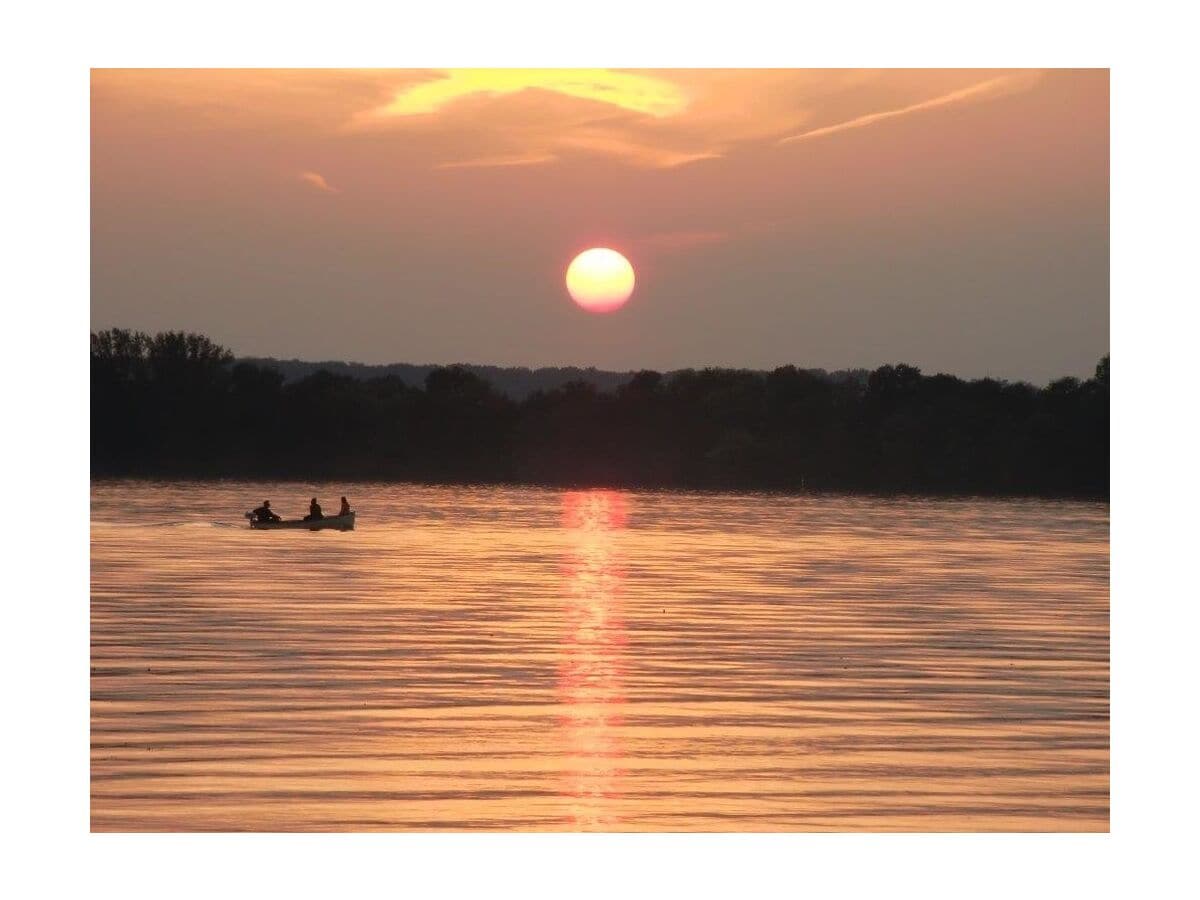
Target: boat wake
[{"x": 179, "y": 523}]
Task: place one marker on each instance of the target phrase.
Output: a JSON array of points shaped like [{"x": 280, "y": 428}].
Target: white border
[{"x": 46, "y": 277}]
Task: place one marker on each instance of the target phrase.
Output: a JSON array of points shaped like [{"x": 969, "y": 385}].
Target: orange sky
[{"x": 954, "y": 219}]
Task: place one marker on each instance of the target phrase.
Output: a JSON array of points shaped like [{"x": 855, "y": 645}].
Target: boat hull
[{"x": 338, "y": 523}]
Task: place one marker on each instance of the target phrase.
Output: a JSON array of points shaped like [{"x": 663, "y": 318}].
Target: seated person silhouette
[
  {"x": 314, "y": 511},
  {"x": 345, "y": 510},
  {"x": 264, "y": 513}
]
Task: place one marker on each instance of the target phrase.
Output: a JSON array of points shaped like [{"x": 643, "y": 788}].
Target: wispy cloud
[
  {"x": 478, "y": 118},
  {"x": 657, "y": 118},
  {"x": 317, "y": 180},
  {"x": 638, "y": 150},
  {"x": 993, "y": 87},
  {"x": 486, "y": 162},
  {"x": 641, "y": 93}
]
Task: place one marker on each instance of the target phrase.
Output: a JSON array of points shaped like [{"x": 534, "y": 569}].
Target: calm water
[{"x": 506, "y": 658}]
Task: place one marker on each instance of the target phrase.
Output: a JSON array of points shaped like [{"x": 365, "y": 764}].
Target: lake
[{"x": 541, "y": 659}]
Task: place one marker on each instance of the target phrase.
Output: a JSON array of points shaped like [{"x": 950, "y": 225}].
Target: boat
[{"x": 341, "y": 523}]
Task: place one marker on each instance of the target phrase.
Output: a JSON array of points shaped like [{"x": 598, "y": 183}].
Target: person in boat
[
  {"x": 264, "y": 513},
  {"x": 345, "y": 510},
  {"x": 314, "y": 511}
]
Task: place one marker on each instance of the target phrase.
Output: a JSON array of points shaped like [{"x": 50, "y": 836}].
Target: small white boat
[{"x": 341, "y": 523}]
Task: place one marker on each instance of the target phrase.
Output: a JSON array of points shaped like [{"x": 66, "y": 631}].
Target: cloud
[
  {"x": 635, "y": 92},
  {"x": 644, "y": 152},
  {"x": 318, "y": 181},
  {"x": 248, "y": 100},
  {"x": 656, "y": 118},
  {"x": 479, "y": 118},
  {"x": 993, "y": 87},
  {"x": 485, "y": 162}
]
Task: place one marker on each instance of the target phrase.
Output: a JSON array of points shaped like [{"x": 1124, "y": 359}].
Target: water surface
[{"x": 521, "y": 658}]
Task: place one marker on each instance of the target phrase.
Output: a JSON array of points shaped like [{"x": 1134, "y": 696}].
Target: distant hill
[{"x": 516, "y": 382}]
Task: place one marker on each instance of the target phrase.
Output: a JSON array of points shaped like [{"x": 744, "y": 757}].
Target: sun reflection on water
[
  {"x": 525, "y": 659},
  {"x": 591, "y": 666}
]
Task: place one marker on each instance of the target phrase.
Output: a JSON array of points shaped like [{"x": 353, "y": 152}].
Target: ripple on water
[{"x": 522, "y": 658}]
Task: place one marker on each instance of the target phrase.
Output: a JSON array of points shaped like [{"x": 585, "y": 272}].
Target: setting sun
[{"x": 600, "y": 280}]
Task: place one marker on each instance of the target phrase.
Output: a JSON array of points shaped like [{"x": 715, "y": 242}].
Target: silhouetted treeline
[
  {"x": 179, "y": 405},
  {"x": 515, "y": 382}
]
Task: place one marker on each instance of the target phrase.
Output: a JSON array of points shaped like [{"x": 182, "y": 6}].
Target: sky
[{"x": 956, "y": 220}]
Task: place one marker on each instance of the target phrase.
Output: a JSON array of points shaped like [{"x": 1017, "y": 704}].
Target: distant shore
[{"x": 177, "y": 406}]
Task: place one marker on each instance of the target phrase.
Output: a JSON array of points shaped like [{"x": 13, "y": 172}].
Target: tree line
[
  {"x": 513, "y": 381},
  {"x": 177, "y": 404}
]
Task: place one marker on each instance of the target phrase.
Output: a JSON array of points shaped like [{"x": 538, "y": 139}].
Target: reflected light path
[
  {"x": 591, "y": 668},
  {"x": 503, "y": 658}
]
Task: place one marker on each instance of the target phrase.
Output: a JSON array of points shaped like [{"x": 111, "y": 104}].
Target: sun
[{"x": 600, "y": 280}]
